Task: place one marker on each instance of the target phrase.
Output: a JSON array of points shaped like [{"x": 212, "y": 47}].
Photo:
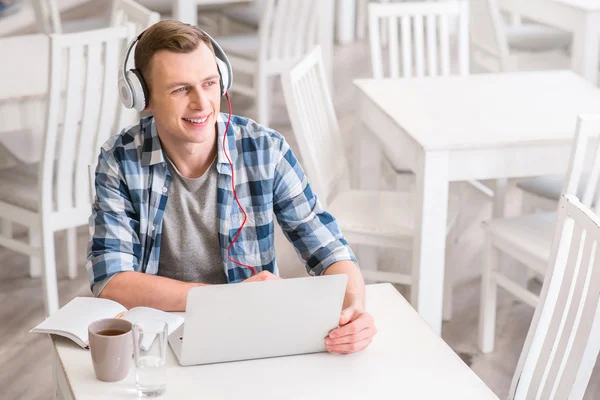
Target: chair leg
[
  {"x": 6, "y": 229},
  {"x": 449, "y": 281},
  {"x": 72, "y": 253},
  {"x": 49, "y": 268},
  {"x": 489, "y": 299},
  {"x": 263, "y": 94},
  {"x": 35, "y": 262}
]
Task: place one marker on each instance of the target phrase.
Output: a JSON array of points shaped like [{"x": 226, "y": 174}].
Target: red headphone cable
[{"x": 233, "y": 191}]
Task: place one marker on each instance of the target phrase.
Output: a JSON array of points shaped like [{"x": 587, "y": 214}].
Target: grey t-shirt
[{"x": 189, "y": 248}]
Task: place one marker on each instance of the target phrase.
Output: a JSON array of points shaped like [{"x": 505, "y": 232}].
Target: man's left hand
[{"x": 355, "y": 333}]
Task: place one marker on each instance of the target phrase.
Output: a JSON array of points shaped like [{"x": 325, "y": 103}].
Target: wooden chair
[
  {"x": 563, "y": 341},
  {"x": 288, "y": 29},
  {"x": 528, "y": 238},
  {"x": 374, "y": 218},
  {"x": 54, "y": 194}
]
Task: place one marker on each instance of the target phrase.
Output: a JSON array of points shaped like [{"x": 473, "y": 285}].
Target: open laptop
[{"x": 258, "y": 319}]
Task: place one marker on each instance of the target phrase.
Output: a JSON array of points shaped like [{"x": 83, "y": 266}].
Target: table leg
[
  {"x": 429, "y": 250},
  {"x": 586, "y": 42},
  {"x": 499, "y": 198},
  {"x": 185, "y": 11},
  {"x": 346, "y": 16}
]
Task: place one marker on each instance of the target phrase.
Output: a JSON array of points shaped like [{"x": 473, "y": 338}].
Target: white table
[
  {"x": 187, "y": 11},
  {"x": 581, "y": 17},
  {"x": 406, "y": 360},
  {"x": 487, "y": 126}
]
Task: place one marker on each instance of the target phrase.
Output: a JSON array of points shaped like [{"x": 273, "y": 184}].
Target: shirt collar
[{"x": 152, "y": 153}]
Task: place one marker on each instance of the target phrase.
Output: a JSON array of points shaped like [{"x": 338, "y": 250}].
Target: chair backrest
[
  {"x": 563, "y": 341},
  {"x": 425, "y": 35},
  {"x": 288, "y": 30},
  {"x": 86, "y": 99},
  {"x": 47, "y": 16},
  {"x": 129, "y": 11},
  {"x": 488, "y": 36},
  {"x": 584, "y": 165},
  {"x": 315, "y": 125}
]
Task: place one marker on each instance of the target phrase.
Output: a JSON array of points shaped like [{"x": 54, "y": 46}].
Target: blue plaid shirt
[{"x": 132, "y": 189}]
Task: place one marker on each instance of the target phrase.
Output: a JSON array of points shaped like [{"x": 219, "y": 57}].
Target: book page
[
  {"x": 75, "y": 317},
  {"x": 145, "y": 313}
]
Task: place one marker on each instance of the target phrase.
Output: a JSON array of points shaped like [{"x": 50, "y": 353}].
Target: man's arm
[
  {"x": 133, "y": 289},
  {"x": 355, "y": 289}
]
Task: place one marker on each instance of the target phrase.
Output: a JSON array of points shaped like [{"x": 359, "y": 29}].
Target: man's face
[{"x": 185, "y": 95}]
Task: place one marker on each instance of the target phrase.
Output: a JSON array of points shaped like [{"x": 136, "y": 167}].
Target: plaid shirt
[{"x": 132, "y": 188}]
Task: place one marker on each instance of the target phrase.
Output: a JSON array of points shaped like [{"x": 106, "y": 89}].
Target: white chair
[
  {"x": 500, "y": 48},
  {"x": 374, "y": 218},
  {"x": 247, "y": 16},
  {"x": 288, "y": 29},
  {"x": 563, "y": 341},
  {"x": 528, "y": 238},
  {"x": 54, "y": 195},
  {"x": 49, "y": 20}
]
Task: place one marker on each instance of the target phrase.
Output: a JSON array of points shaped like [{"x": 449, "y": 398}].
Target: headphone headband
[{"x": 133, "y": 90}]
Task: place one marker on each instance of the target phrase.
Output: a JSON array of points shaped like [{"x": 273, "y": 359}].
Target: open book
[{"x": 73, "y": 319}]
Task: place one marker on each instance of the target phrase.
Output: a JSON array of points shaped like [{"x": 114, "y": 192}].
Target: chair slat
[
  {"x": 432, "y": 51},
  {"x": 419, "y": 46},
  {"x": 110, "y": 102},
  {"x": 444, "y": 46},
  {"x": 65, "y": 171},
  {"x": 407, "y": 59},
  {"x": 375, "y": 46},
  {"x": 89, "y": 125},
  {"x": 393, "y": 46}
]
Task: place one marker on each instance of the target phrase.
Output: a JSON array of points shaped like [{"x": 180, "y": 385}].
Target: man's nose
[{"x": 199, "y": 100}]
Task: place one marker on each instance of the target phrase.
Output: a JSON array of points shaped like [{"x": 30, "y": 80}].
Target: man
[{"x": 165, "y": 217}]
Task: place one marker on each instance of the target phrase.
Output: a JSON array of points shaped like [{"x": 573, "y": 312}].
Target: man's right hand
[{"x": 262, "y": 276}]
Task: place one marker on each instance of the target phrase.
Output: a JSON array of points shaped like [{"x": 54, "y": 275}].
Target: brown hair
[{"x": 170, "y": 35}]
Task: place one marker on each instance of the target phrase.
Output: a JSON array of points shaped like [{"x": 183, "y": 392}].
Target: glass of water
[{"x": 150, "y": 353}]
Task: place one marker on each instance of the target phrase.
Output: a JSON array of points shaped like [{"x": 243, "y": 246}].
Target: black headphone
[{"x": 133, "y": 91}]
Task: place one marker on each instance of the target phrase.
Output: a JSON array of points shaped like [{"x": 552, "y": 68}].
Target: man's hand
[
  {"x": 355, "y": 333},
  {"x": 262, "y": 276}
]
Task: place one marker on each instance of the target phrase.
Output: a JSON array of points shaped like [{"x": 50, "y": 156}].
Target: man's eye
[
  {"x": 181, "y": 89},
  {"x": 209, "y": 83}
]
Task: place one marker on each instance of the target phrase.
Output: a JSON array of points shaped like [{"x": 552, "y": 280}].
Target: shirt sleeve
[
  {"x": 313, "y": 231},
  {"x": 114, "y": 224}
]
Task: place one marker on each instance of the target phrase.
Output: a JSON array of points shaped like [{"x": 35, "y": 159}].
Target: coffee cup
[{"x": 111, "y": 347}]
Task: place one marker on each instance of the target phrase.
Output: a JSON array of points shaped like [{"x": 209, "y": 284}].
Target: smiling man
[{"x": 165, "y": 217}]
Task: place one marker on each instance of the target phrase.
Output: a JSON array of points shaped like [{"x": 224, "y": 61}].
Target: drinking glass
[{"x": 150, "y": 351}]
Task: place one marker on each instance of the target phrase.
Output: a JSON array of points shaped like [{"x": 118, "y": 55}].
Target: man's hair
[{"x": 170, "y": 35}]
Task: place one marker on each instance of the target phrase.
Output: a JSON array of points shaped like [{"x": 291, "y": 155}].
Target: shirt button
[
  {"x": 151, "y": 227},
  {"x": 164, "y": 189}
]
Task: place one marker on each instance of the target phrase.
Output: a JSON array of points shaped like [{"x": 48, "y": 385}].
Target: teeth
[{"x": 196, "y": 121}]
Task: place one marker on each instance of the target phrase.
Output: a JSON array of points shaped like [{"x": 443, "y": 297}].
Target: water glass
[{"x": 150, "y": 353}]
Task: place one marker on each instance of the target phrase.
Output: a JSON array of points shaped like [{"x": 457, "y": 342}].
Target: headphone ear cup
[
  {"x": 138, "y": 89},
  {"x": 125, "y": 91},
  {"x": 225, "y": 80}
]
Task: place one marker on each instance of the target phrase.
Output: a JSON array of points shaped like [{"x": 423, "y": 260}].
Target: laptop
[{"x": 252, "y": 320}]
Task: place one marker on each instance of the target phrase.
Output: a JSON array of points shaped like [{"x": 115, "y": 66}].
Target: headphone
[{"x": 133, "y": 90}]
